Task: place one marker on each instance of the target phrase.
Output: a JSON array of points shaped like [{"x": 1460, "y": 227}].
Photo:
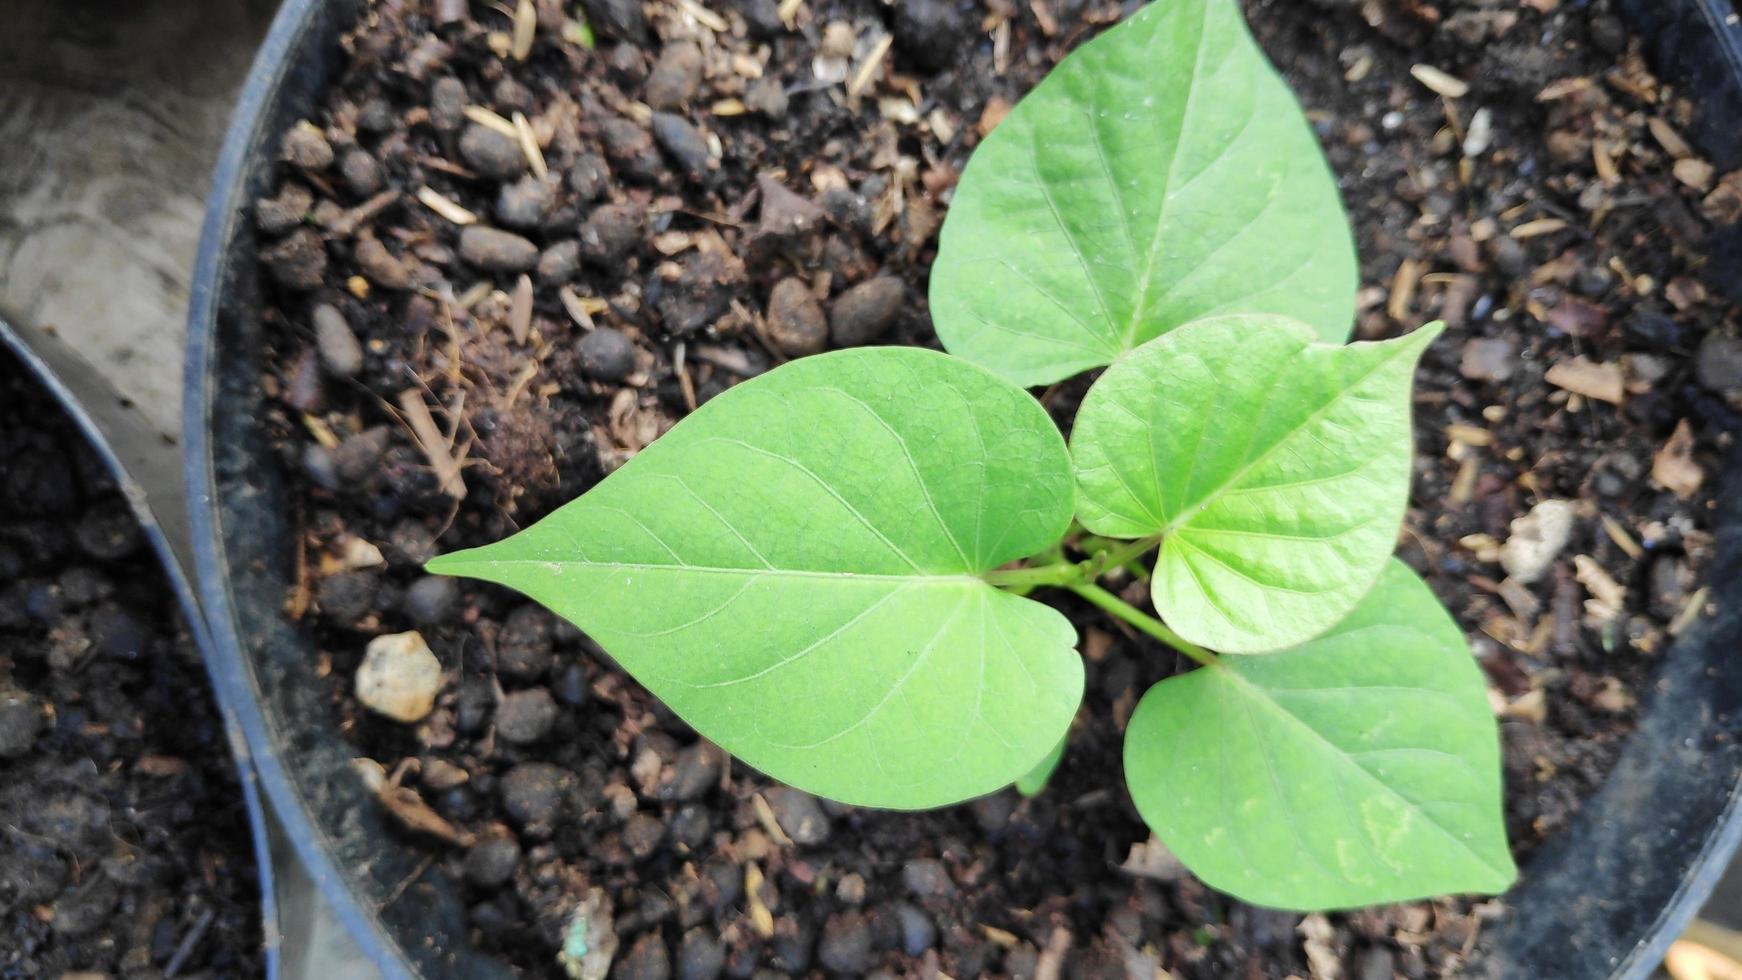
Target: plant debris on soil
[
  {"x": 124, "y": 842},
  {"x": 511, "y": 249}
]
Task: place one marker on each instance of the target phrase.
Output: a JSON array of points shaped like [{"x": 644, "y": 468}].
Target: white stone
[
  {"x": 1536, "y": 539},
  {"x": 399, "y": 677}
]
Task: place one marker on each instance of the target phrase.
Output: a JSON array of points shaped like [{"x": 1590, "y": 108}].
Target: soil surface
[
  {"x": 717, "y": 188},
  {"x": 124, "y": 843}
]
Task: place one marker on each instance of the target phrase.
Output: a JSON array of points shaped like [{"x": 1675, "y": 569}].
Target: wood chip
[
  {"x": 435, "y": 446},
  {"x": 1669, "y": 139},
  {"x": 525, "y": 29},
  {"x": 1440, "y": 82},
  {"x": 788, "y": 12},
  {"x": 1674, "y": 468},
  {"x": 705, "y": 17},
  {"x": 444, "y": 207},
  {"x": 406, "y": 806},
  {"x": 873, "y": 61},
  {"x": 1695, "y": 173},
  {"x": 1403, "y": 289},
  {"x": 484, "y": 117},
  {"x": 1622, "y": 539},
  {"x": 1599, "y": 583},
  {"x": 529, "y": 146},
  {"x": 1690, "y": 611},
  {"x": 576, "y": 307},
  {"x": 1541, "y": 226},
  {"x": 760, "y": 917},
  {"x": 520, "y": 312},
  {"x": 1469, "y": 435},
  {"x": 1582, "y": 376}
]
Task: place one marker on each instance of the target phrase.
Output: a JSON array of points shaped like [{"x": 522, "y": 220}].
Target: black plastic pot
[
  {"x": 1604, "y": 899},
  {"x": 145, "y": 470}
]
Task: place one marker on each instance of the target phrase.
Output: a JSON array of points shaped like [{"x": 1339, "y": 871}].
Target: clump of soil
[
  {"x": 124, "y": 843},
  {"x": 470, "y": 331}
]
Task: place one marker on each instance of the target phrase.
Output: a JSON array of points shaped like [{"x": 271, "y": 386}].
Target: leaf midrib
[
  {"x": 1197, "y": 506},
  {"x": 460, "y": 567},
  {"x": 1262, "y": 696}
]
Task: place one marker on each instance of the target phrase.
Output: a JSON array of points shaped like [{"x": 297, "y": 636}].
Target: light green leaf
[
  {"x": 1360, "y": 768},
  {"x": 1039, "y": 776},
  {"x": 1276, "y": 467},
  {"x": 1160, "y": 174},
  {"x": 795, "y": 569}
]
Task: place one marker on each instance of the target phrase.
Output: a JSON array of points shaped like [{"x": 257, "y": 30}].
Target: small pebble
[
  {"x": 525, "y": 717},
  {"x": 346, "y": 597},
  {"x": 570, "y": 687},
  {"x": 495, "y": 250},
  {"x": 630, "y": 149},
  {"x": 356, "y": 458},
  {"x": 607, "y": 355},
  {"x": 360, "y": 172},
  {"x": 430, "y": 600},
  {"x": 524, "y": 203},
  {"x": 696, "y": 770},
  {"x": 1489, "y": 359},
  {"x": 340, "y": 351},
  {"x": 610, "y": 233},
  {"x": 588, "y": 177},
  {"x": 399, "y": 677},
  {"x": 762, "y": 17},
  {"x": 845, "y": 947},
  {"x": 532, "y": 795},
  {"x": 306, "y": 147},
  {"x": 866, "y": 312},
  {"x": 524, "y": 647},
  {"x": 918, "y": 934},
  {"x": 676, "y": 76},
  {"x": 683, "y": 141},
  {"x": 618, "y": 20},
  {"x": 799, "y": 814},
  {"x": 768, "y": 97},
  {"x": 299, "y": 262},
  {"x": 447, "y": 104},
  {"x": 1718, "y": 364},
  {"x": 642, "y": 835},
  {"x": 276, "y": 215},
  {"x": 493, "y": 860},
  {"x": 20, "y": 722},
  {"x": 851, "y": 889},
  {"x": 379, "y": 265},
  {"x": 559, "y": 262},
  {"x": 796, "y": 324},
  {"x": 109, "y": 531},
  {"x": 87, "y": 906},
  {"x": 117, "y": 632},
  {"x": 929, "y": 31},
  {"x": 475, "y": 706},
  {"x": 700, "y": 956},
  {"x": 926, "y": 878},
  {"x": 491, "y": 153}
]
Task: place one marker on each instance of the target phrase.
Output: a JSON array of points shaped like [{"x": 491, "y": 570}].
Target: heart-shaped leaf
[
  {"x": 1360, "y": 768},
  {"x": 795, "y": 569},
  {"x": 1160, "y": 174},
  {"x": 1276, "y": 467}
]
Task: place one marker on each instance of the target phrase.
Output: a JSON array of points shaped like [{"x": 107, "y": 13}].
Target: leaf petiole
[
  {"x": 1065, "y": 574},
  {"x": 1113, "y": 605}
]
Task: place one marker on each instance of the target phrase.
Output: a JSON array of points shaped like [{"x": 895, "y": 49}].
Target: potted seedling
[
  {"x": 826, "y": 569},
  {"x": 1126, "y": 543}
]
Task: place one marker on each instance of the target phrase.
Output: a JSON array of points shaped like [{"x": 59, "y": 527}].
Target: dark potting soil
[
  {"x": 124, "y": 844},
  {"x": 726, "y": 190}
]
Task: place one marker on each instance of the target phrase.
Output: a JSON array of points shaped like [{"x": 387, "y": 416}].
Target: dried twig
[{"x": 428, "y": 437}]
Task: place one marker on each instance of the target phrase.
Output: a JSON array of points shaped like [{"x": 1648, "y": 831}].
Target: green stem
[
  {"x": 1110, "y": 603},
  {"x": 1065, "y": 574}
]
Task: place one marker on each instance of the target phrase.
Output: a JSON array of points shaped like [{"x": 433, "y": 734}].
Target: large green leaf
[
  {"x": 1160, "y": 174},
  {"x": 1277, "y": 468},
  {"x": 1360, "y": 768},
  {"x": 795, "y": 570}
]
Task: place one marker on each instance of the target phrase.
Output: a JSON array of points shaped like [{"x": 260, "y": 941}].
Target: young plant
[{"x": 826, "y": 570}]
